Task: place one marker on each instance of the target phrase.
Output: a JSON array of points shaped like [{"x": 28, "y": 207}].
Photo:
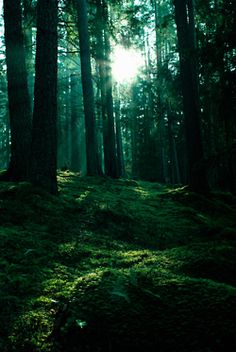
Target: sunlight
[{"x": 125, "y": 64}]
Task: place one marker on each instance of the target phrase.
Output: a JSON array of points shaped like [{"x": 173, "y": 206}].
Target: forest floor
[{"x": 116, "y": 265}]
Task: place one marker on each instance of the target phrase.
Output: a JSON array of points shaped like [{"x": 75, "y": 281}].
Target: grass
[{"x": 116, "y": 265}]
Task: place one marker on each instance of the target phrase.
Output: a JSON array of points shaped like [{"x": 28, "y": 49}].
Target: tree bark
[
  {"x": 43, "y": 165},
  {"x": 188, "y": 69},
  {"x": 103, "y": 57},
  {"x": 18, "y": 94},
  {"x": 75, "y": 132},
  {"x": 28, "y": 22},
  {"x": 119, "y": 142},
  {"x": 87, "y": 86}
]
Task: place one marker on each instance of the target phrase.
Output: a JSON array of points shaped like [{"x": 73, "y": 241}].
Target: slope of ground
[{"x": 116, "y": 265}]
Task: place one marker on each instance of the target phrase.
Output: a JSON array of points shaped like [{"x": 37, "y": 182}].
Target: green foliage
[{"x": 116, "y": 265}]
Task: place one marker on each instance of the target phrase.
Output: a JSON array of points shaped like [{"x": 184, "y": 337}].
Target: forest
[{"x": 117, "y": 175}]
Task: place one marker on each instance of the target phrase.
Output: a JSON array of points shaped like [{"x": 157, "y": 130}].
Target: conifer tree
[
  {"x": 18, "y": 94},
  {"x": 188, "y": 69},
  {"x": 43, "y": 163},
  {"x": 93, "y": 167}
]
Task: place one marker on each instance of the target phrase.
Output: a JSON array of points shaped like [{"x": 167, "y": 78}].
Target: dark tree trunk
[
  {"x": 99, "y": 115},
  {"x": 112, "y": 165},
  {"x": 119, "y": 142},
  {"x": 188, "y": 69},
  {"x": 67, "y": 125},
  {"x": 134, "y": 134},
  {"x": 28, "y": 22},
  {"x": 75, "y": 143},
  {"x": 103, "y": 57},
  {"x": 174, "y": 163},
  {"x": 18, "y": 94},
  {"x": 101, "y": 70},
  {"x": 87, "y": 86},
  {"x": 44, "y": 136},
  {"x": 7, "y": 139}
]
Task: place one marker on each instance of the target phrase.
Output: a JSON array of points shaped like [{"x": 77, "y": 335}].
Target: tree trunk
[
  {"x": 18, "y": 94},
  {"x": 28, "y": 40},
  {"x": 157, "y": 35},
  {"x": 44, "y": 136},
  {"x": 7, "y": 145},
  {"x": 75, "y": 143},
  {"x": 185, "y": 30},
  {"x": 101, "y": 84},
  {"x": 134, "y": 134},
  {"x": 103, "y": 57},
  {"x": 99, "y": 115},
  {"x": 112, "y": 166},
  {"x": 119, "y": 142},
  {"x": 87, "y": 86},
  {"x": 67, "y": 125},
  {"x": 174, "y": 163}
]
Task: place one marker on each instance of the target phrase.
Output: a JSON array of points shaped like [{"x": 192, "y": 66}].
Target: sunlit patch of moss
[
  {"x": 142, "y": 193},
  {"x": 67, "y": 247},
  {"x": 128, "y": 304},
  {"x": 83, "y": 196},
  {"x": 130, "y": 258},
  {"x": 33, "y": 328}
]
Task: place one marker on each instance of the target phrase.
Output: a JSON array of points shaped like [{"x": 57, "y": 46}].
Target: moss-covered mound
[{"x": 116, "y": 266}]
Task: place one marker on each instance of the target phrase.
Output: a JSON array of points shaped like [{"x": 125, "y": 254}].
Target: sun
[{"x": 125, "y": 64}]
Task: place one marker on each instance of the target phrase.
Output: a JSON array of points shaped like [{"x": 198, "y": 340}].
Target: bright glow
[{"x": 125, "y": 64}]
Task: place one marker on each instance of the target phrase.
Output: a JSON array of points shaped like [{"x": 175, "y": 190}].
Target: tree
[
  {"x": 87, "y": 86},
  {"x": 103, "y": 52},
  {"x": 166, "y": 134},
  {"x": 188, "y": 69},
  {"x": 76, "y": 126},
  {"x": 28, "y": 22},
  {"x": 119, "y": 143},
  {"x": 43, "y": 163},
  {"x": 215, "y": 28},
  {"x": 18, "y": 94}
]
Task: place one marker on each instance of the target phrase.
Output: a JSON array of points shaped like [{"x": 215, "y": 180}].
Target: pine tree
[
  {"x": 43, "y": 164},
  {"x": 18, "y": 94},
  {"x": 87, "y": 86},
  {"x": 188, "y": 68}
]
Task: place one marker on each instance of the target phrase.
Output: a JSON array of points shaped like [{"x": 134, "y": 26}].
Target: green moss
[{"x": 113, "y": 265}]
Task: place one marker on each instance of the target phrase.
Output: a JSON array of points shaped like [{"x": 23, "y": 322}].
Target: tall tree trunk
[
  {"x": 119, "y": 142},
  {"x": 103, "y": 56},
  {"x": 112, "y": 165},
  {"x": 75, "y": 132},
  {"x": 18, "y": 94},
  {"x": 87, "y": 86},
  {"x": 157, "y": 35},
  {"x": 44, "y": 136},
  {"x": 67, "y": 124},
  {"x": 101, "y": 84},
  {"x": 63, "y": 121},
  {"x": 7, "y": 138},
  {"x": 134, "y": 134},
  {"x": 28, "y": 40},
  {"x": 99, "y": 114},
  {"x": 174, "y": 163},
  {"x": 160, "y": 58},
  {"x": 185, "y": 30}
]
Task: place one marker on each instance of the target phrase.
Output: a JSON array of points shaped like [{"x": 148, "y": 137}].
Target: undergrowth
[{"x": 116, "y": 265}]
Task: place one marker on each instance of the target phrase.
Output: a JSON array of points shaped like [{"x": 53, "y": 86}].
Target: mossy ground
[{"x": 116, "y": 265}]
